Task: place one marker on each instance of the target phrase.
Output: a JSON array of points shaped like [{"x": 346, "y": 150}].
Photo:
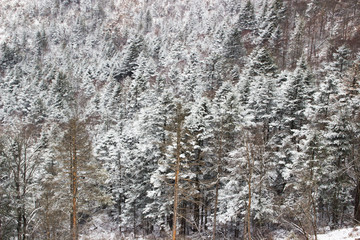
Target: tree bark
[
  {"x": 250, "y": 166},
  {"x": 219, "y": 160},
  {"x": 74, "y": 186},
  {"x": 134, "y": 220},
  {"x": 18, "y": 198},
  {"x": 176, "y": 197},
  {"x": 177, "y": 170},
  {"x": 357, "y": 204},
  {"x": 216, "y": 205}
]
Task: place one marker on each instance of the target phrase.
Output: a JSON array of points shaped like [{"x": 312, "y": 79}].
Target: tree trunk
[
  {"x": 183, "y": 219},
  {"x": 205, "y": 214},
  {"x": 202, "y": 214},
  {"x": 314, "y": 219},
  {"x": 176, "y": 197},
  {"x": 197, "y": 201},
  {"x": 120, "y": 196},
  {"x": 250, "y": 166},
  {"x": 24, "y": 224},
  {"x": 19, "y": 223},
  {"x": 219, "y": 160},
  {"x": 357, "y": 204},
  {"x": 24, "y": 175},
  {"x": 216, "y": 205},
  {"x": 74, "y": 188},
  {"x": 177, "y": 170},
  {"x": 196, "y": 216},
  {"x": 18, "y": 210},
  {"x": 134, "y": 220},
  {"x": 335, "y": 209},
  {"x": 47, "y": 219}
]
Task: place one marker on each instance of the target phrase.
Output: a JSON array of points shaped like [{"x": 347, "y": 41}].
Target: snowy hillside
[{"x": 213, "y": 119}]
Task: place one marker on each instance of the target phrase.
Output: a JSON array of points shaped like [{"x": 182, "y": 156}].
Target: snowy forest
[{"x": 179, "y": 119}]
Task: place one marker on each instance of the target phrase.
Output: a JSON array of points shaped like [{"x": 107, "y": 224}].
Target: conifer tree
[
  {"x": 233, "y": 47},
  {"x": 200, "y": 161},
  {"x": 129, "y": 61},
  {"x": 159, "y": 209},
  {"x": 52, "y": 217},
  {"x": 247, "y": 20},
  {"x": 81, "y": 173},
  {"x": 291, "y": 117},
  {"x": 108, "y": 152},
  {"x": 226, "y": 120},
  {"x": 297, "y": 41}
]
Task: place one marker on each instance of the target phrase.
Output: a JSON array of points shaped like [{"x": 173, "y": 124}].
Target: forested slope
[{"x": 242, "y": 116}]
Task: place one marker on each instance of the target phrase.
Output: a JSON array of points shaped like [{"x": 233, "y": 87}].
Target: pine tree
[
  {"x": 108, "y": 153},
  {"x": 233, "y": 47},
  {"x": 129, "y": 61},
  {"x": 83, "y": 174},
  {"x": 52, "y": 217},
  {"x": 226, "y": 120},
  {"x": 247, "y": 20},
  {"x": 200, "y": 159},
  {"x": 262, "y": 104},
  {"x": 176, "y": 152},
  {"x": 271, "y": 24},
  {"x": 271, "y": 33},
  {"x": 62, "y": 94},
  {"x": 261, "y": 63},
  {"x": 291, "y": 116},
  {"x": 312, "y": 171},
  {"x": 140, "y": 153},
  {"x": 347, "y": 131},
  {"x": 159, "y": 209},
  {"x": 297, "y": 41},
  {"x": 339, "y": 137}
]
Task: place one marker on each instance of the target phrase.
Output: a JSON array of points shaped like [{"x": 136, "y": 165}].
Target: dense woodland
[{"x": 211, "y": 119}]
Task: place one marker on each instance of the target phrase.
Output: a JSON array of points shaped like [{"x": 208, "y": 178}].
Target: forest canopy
[{"x": 216, "y": 119}]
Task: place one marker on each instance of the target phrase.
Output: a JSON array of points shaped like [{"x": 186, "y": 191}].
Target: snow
[
  {"x": 351, "y": 233},
  {"x": 345, "y": 233},
  {"x": 101, "y": 229}
]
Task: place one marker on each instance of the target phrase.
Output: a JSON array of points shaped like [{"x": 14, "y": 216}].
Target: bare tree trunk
[
  {"x": 134, "y": 220},
  {"x": 197, "y": 205},
  {"x": 176, "y": 197},
  {"x": 183, "y": 218},
  {"x": 24, "y": 224},
  {"x": 216, "y": 204},
  {"x": 357, "y": 204},
  {"x": 19, "y": 223},
  {"x": 250, "y": 168},
  {"x": 177, "y": 170},
  {"x": 314, "y": 220},
  {"x": 312, "y": 200},
  {"x": 24, "y": 193},
  {"x": 205, "y": 214},
  {"x": 74, "y": 190},
  {"x": 47, "y": 219},
  {"x": 120, "y": 197},
  {"x": 219, "y": 160},
  {"x": 18, "y": 197}
]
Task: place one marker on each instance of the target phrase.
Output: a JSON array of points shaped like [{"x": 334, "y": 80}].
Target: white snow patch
[
  {"x": 352, "y": 233},
  {"x": 345, "y": 233}
]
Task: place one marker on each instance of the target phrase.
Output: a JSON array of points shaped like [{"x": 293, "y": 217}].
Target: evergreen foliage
[{"x": 193, "y": 119}]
